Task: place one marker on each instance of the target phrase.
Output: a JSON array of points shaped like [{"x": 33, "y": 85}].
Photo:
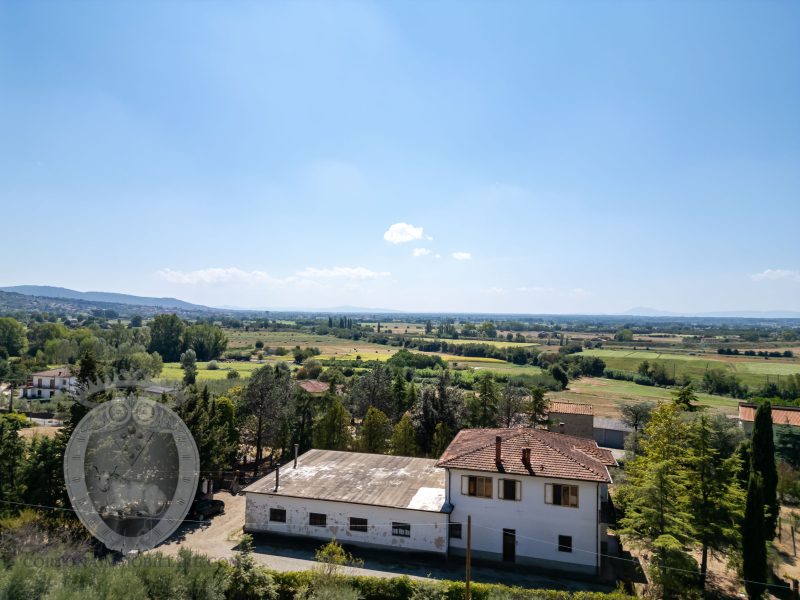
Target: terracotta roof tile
[
  {"x": 781, "y": 415},
  {"x": 552, "y": 454},
  {"x": 313, "y": 386},
  {"x": 571, "y": 408}
]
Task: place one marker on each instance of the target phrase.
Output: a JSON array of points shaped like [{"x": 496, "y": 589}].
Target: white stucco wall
[
  {"x": 428, "y": 529},
  {"x": 537, "y": 524}
]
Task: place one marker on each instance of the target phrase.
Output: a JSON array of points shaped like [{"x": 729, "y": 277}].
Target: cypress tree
[
  {"x": 754, "y": 550},
  {"x": 763, "y": 463}
]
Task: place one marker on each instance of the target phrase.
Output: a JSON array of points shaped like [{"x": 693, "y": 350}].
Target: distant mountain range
[
  {"x": 644, "y": 311},
  {"x": 49, "y": 291},
  {"x": 51, "y": 298}
]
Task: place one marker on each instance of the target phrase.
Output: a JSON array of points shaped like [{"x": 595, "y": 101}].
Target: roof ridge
[
  {"x": 483, "y": 447},
  {"x": 572, "y": 458}
]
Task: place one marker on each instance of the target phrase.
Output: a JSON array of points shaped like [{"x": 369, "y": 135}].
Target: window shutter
[
  {"x": 464, "y": 485},
  {"x": 517, "y": 490},
  {"x": 548, "y": 493},
  {"x": 574, "y": 500},
  {"x": 500, "y": 489}
]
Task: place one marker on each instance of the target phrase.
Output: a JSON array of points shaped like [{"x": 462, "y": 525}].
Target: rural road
[{"x": 218, "y": 538}]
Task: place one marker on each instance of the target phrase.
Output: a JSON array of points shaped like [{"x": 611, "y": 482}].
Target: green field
[
  {"x": 752, "y": 371},
  {"x": 173, "y": 371},
  {"x": 606, "y": 395}
]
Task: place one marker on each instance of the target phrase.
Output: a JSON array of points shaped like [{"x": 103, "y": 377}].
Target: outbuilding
[{"x": 393, "y": 502}]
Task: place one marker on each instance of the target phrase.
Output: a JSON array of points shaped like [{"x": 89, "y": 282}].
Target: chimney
[
  {"x": 296, "y": 450},
  {"x": 526, "y": 457},
  {"x": 498, "y": 446},
  {"x": 277, "y": 477}
]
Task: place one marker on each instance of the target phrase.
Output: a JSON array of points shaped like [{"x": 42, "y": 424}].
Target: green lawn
[
  {"x": 606, "y": 395},
  {"x": 751, "y": 370}
]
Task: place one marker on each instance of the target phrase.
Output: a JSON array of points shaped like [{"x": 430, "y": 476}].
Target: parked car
[{"x": 207, "y": 508}]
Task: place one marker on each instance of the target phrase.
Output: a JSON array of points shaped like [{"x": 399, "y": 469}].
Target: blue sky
[{"x": 538, "y": 156}]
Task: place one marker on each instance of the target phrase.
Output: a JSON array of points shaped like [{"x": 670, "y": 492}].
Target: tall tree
[
  {"x": 166, "y": 337},
  {"x": 12, "y": 452},
  {"x": 12, "y": 337},
  {"x": 716, "y": 500},
  {"x": 754, "y": 531},
  {"x": 332, "y": 431},
  {"x": 685, "y": 397},
  {"x": 189, "y": 366},
  {"x": 636, "y": 414},
  {"x": 374, "y": 432},
  {"x": 404, "y": 438},
  {"x": 373, "y": 388},
  {"x": 442, "y": 436},
  {"x": 208, "y": 341},
  {"x": 655, "y": 496},
  {"x": 512, "y": 400},
  {"x": 763, "y": 463},
  {"x": 484, "y": 405},
  {"x": 266, "y": 399},
  {"x": 538, "y": 407}
]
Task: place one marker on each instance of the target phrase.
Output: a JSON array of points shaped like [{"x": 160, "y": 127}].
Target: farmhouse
[
  {"x": 45, "y": 384},
  {"x": 534, "y": 497},
  {"x": 572, "y": 418},
  {"x": 782, "y": 416}
]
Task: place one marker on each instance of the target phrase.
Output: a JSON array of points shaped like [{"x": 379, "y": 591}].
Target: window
[
  {"x": 455, "y": 531},
  {"x": 480, "y": 487},
  {"x": 278, "y": 515},
  {"x": 565, "y": 543},
  {"x": 357, "y": 524},
  {"x": 561, "y": 495},
  {"x": 509, "y": 489},
  {"x": 317, "y": 519},
  {"x": 401, "y": 529}
]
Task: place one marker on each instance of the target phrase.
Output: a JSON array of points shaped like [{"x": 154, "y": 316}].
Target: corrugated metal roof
[
  {"x": 375, "y": 479},
  {"x": 781, "y": 415},
  {"x": 571, "y": 408},
  {"x": 552, "y": 454}
]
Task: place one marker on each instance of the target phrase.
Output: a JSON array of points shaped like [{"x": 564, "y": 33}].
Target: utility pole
[{"x": 467, "y": 592}]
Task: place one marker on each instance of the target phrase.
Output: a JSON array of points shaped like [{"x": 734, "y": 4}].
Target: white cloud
[
  {"x": 418, "y": 252},
  {"x": 308, "y": 277},
  {"x": 461, "y": 255},
  {"x": 776, "y": 275},
  {"x": 493, "y": 291},
  {"x": 402, "y": 232},
  {"x": 355, "y": 273},
  {"x": 215, "y": 275}
]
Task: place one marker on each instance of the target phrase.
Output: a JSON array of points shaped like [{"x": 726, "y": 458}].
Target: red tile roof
[
  {"x": 571, "y": 408},
  {"x": 781, "y": 415},
  {"x": 552, "y": 454},
  {"x": 313, "y": 386}
]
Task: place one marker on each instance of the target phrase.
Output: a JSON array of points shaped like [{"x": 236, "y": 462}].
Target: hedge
[{"x": 403, "y": 588}]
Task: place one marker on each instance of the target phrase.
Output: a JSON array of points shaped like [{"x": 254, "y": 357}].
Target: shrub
[
  {"x": 212, "y": 366},
  {"x": 233, "y": 374}
]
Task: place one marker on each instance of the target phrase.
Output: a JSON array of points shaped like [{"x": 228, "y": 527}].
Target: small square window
[
  {"x": 317, "y": 519},
  {"x": 565, "y": 543},
  {"x": 455, "y": 531},
  {"x": 277, "y": 515},
  {"x": 357, "y": 524},
  {"x": 401, "y": 529}
]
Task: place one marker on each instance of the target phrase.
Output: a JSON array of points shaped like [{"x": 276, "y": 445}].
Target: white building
[
  {"x": 534, "y": 497},
  {"x": 364, "y": 499},
  {"x": 45, "y": 384}
]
